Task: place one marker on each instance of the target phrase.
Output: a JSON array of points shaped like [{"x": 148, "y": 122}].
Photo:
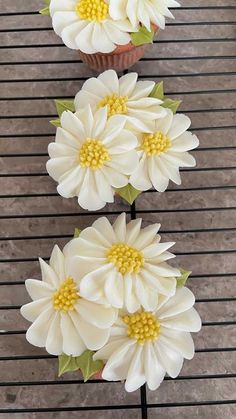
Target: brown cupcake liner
[{"x": 122, "y": 58}]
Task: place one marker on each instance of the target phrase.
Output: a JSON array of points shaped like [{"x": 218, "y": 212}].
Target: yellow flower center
[
  {"x": 65, "y": 297},
  {"x": 93, "y": 10},
  {"x": 93, "y": 154},
  {"x": 142, "y": 326},
  {"x": 116, "y": 104},
  {"x": 155, "y": 144},
  {"x": 125, "y": 258}
]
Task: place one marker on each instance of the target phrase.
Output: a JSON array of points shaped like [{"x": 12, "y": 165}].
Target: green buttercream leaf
[
  {"x": 87, "y": 365},
  {"x": 47, "y": 2},
  {"x": 173, "y": 105},
  {"x": 143, "y": 36},
  {"x": 158, "y": 91},
  {"x": 45, "y": 11},
  {"x": 181, "y": 280},
  {"x": 84, "y": 362},
  {"x": 64, "y": 105},
  {"x": 56, "y": 122},
  {"x": 129, "y": 193},
  {"x": 77, "y": 233},
  {"x": 66, "y": 364}
]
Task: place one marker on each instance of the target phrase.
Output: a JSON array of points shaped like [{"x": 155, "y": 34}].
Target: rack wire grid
[{"x": 195, "y": 56}]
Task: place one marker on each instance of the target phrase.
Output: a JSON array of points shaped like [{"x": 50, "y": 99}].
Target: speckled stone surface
[{"x": 195, "y": 56}]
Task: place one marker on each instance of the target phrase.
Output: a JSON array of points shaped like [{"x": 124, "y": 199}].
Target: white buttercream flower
[
  {"x": 125, "y": 96},
  {"x": 91, "y": 156},
  {"x": 63, "y": 321},
  {"x": 86, "y": 25},
  {"x": 142, "y": 11},
  {"x": 144, "y": 346},
  {"x": 122, "y": 265},
  {"x": 163, "y": 152}
]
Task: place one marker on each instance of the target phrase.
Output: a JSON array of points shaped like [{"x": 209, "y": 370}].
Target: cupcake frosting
[
  {"x": 87, "y": 25},
  {"x": 142, "y": 11}
]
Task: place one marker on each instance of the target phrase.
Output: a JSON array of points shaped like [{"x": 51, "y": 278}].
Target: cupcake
[
  {"x": 119, "y": 136},
  {"x": 108, "y": 33},
  {"x": 111, "y": 306}
]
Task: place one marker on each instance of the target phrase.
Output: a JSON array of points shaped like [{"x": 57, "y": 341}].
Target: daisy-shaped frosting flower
[
  {"x": 142, "y": 11},
  {"x": 63, "y": 321},
  {"x": 122, "y": 265},
  {"x": 86, "y": 25},
  {"x": 144, "y": 346},
  {"x": 163, "y": 152},
  {"x": 125, "y": 96},
  {"x": 92, "y": 155}
]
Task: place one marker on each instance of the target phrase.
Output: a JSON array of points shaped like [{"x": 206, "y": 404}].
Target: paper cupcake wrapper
[
  {"x": 119, "y": 61},
  {"x": 123, "y": 57}
]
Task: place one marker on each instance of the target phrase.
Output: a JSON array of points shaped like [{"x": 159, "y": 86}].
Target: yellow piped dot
[
  {"x": 155, "y": 144},
  {"x": 92, "y": 10},
  {"x": 126, "y": 259},
  {"x": 64, "y": 299},
  {"x": 93, "y": 154},
  {"x": 142, "y": 326},
  {"x": 116, "y": 104}
]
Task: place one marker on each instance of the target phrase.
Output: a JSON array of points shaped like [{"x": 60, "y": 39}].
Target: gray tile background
[{"x": 195, "y": 56}]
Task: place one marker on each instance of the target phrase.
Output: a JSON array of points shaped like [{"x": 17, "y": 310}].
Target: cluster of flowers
[
  {"x": 101, "y": 25},
  {"x": 120, "y": 134},
  {"x": 111, "y": 295}
]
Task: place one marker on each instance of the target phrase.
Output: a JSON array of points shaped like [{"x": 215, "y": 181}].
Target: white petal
[
  {"x": 72, "y": 342},
  {"x": 163, "y": 269},
  {"x": 185, "y": 142},
  {"x": 146, "y": 236},
  {"x": 97, "y": 315},
  {"x": 127, "y": 84},
  {"x": 88, "y": 197},
  {"x": 54, "y": 340},
  {"x": 182, "y": 301},
  {"x": 101, "y": 40},
  {"x": 71, "y": 182},
  {"x": 48, "y": 274},
  {"x": 147, "y": 296},
  {"x": 179, "y": 125},
  {"x": 62, "y": 19},
  {"x": 158, "y": 179},
  {"x": 57, "y": 262},
  {"x": 170, "y": 360},
  {"x": 124, "y": 142},
  {"x": 38, "y": 331},
  {"x": 71, "y": 123},
  {"x": 116, "y": 179},
  {"x": 181, "y": 342},
  {"x": 103, "y": 226},
  {"x": 58, "y": 167},
  {"x": 92, "y": 284},
  {"x": 114, "y": 289},
  {"x": 166, "y": 286},
  {"x": 84, "y": 39},
  {"x": 189, "y": 321},
  {"x": 38, "y": 289},
  {"x": 154, "y": 372},
  {"x": 119, "y": 227},
  {"x": 107, "y": 351},
  {"x": 92, "y": 337},
  {"x": 70, "y": 32},
  {"x": 163, "y": 124},
  {"x": 180, "y": 159},
  {"x": 136, "y": 376},
  {"x": 142, "y": 89},
  {"x": 100, "y": 120},
  {"x": 79, "y": 266},
  {"x": 140, "y": 177},
  {"x": 133, "y": 231},
  {"x": 118, "y": 364},
  {"x": 110, "y": 80},
  {"x": 131, "y": 302},
  {"x": 124, "y": 163},
  {"x": 156, "y": 249},
  {"x": 33, "y": 310}
]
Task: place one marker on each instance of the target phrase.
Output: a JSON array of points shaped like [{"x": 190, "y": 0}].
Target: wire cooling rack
[{"x": 195, "y": 56}]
